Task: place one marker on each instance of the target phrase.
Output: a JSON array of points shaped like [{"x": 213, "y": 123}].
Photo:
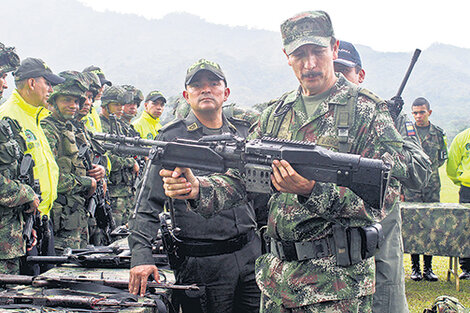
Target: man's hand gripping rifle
[{"x": 367, "y": 178}]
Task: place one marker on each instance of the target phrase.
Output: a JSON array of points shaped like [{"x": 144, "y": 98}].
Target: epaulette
[
  {"x": 238, "y": 121},
  {"x": 170, "y": 125},
  {"x": 440, "y": 129},
  {"x": 369, "y": 94}
]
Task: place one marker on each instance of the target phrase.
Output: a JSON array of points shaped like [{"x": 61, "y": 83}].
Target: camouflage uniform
[
  {"x": 121, "y": 176},
  {"x": 121, "y": 181},
  {"x": 389, "y": 293},
  {"x": 435, "y": 146},
  {"x": 69, "y": 215},
  {"x": 13, "y": 195},
  {"x": 319, "y": 285}
]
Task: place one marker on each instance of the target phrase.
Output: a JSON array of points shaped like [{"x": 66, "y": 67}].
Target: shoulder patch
[{"x": 410, "y": 129}]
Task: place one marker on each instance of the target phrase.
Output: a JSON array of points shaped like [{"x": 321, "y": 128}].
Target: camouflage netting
[{"x": 436, "y": 228}]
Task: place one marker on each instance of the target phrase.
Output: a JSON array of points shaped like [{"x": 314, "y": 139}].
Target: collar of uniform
[
  {"x": 26, "y": 107},
  {"x": 340, "y": 92},
  {"x": 193, "y": 124},
  {"x": 150, "y": 119}
]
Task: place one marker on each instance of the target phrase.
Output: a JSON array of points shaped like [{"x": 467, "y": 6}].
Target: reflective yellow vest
[
  {"x": 45, "y": 168},
  {"x": 147, "y": 126},
  {"x": 93, "y": 121}
]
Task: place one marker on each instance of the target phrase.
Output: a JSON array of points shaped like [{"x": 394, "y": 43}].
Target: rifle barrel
[{"x": 414, "y": 59}]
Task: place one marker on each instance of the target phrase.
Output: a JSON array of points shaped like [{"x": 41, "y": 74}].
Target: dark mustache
[{"x": 312, "y": 74}]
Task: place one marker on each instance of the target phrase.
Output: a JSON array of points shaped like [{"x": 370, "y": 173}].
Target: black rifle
[
  {"x": 367, "y": 178},
  {"x": 33, "y": 220},
  {"x": 395, "y": 105},
  {"x": 45, "y": 281},
  {"x": 98, "y": 205},
  {"x": 95, "y": 259}
]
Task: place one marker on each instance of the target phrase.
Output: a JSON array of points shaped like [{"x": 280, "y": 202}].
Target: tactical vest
[{"x": 278, "y": 122}]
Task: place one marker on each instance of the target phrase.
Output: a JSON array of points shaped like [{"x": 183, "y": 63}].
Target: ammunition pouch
[
  {"x": 193, "y": 248},
  {"x": 350, "y": 245},
  {"x": 68, "y": 215}
]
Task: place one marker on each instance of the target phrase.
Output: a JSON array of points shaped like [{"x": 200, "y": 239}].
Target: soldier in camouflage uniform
[
  {"x": 433, "y": 141},
  {"x": 15, "y": 198},
  {"x": 69, "y": 215},
  {"x": 218, "y": 253},
  {"x": 84, "y": 136},
  {"x": 130, "y": 109},
  {"x": 123, "y": 169},
  {"x": 93, "y": 121},
  {"x": 390, "y": 276},
  {"x": 305, "y": 215}
]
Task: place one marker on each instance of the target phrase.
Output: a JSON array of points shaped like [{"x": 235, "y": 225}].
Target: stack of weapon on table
[{"x": 92, "y": 279}]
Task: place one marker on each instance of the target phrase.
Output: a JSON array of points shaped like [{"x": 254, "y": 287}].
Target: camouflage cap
[
  {"x": 154, "y": 96},
  {"x": 137, "y": 95},
  {"x": 75, "y": 84},
  {"x": 207, "y": 65},
  {"x": 94, "y": 84},
  {"x": 115, "y": 94},
  {"x": 312, "y": 27},
  {"x": 99, "y": 72},
  {"x": 33, "y": 67},
  {"x": 9, "y": 60}
]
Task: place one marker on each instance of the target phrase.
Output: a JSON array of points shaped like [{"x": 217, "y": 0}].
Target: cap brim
[
  {"x": 155, "y": 98},
  {"x": 345, "y": 62},
  {"x": 105, "y": 82},
  {"x": 312, "y": 40},
  {"x": 53, "y": 79},
  {"x": 190, "y": 78}
]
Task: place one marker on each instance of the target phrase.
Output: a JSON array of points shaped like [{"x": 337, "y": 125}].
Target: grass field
[{"x": 421, "y": 295}]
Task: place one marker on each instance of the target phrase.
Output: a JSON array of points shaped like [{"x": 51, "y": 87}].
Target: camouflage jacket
[
  {"x": 121, "y": 176},
  {"x": 13, "y": 195},
  {"x": 73, "y": 183},
  {"x": 435, "y": 146},
  {"x": 295, "y": 218}
]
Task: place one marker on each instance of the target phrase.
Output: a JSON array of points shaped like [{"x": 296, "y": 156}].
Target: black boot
[
  {"x": 428, "y": 274},
  {"x": 415, "y": 269},
  {"x": 465, "y": 275}
]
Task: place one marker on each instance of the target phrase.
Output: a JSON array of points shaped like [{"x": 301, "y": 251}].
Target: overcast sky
[{"x": 394, "y": 25}]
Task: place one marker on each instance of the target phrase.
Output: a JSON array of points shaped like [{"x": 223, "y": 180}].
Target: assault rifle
[
  {"x": 368, "y": 178},
  {"x": 45, "y": 281},
  {"x": 98, "y": 205},
  {"x": 395, "y": 105},
  {"x": 34, "y": 219}
]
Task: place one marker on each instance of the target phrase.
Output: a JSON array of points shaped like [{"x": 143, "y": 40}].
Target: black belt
[
  {"x": 302, "y": 250},
  {"x": 201, "y": 248}
]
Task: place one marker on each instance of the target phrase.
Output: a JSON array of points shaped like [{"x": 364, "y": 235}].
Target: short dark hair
[{"x": 421, "y": 101}]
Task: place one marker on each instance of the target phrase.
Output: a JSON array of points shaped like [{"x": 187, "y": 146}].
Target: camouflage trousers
[
  {"x": 10, "y": 266},
  {"x": 356, "y": 305},
  {"x": 122, "y": 209}
]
